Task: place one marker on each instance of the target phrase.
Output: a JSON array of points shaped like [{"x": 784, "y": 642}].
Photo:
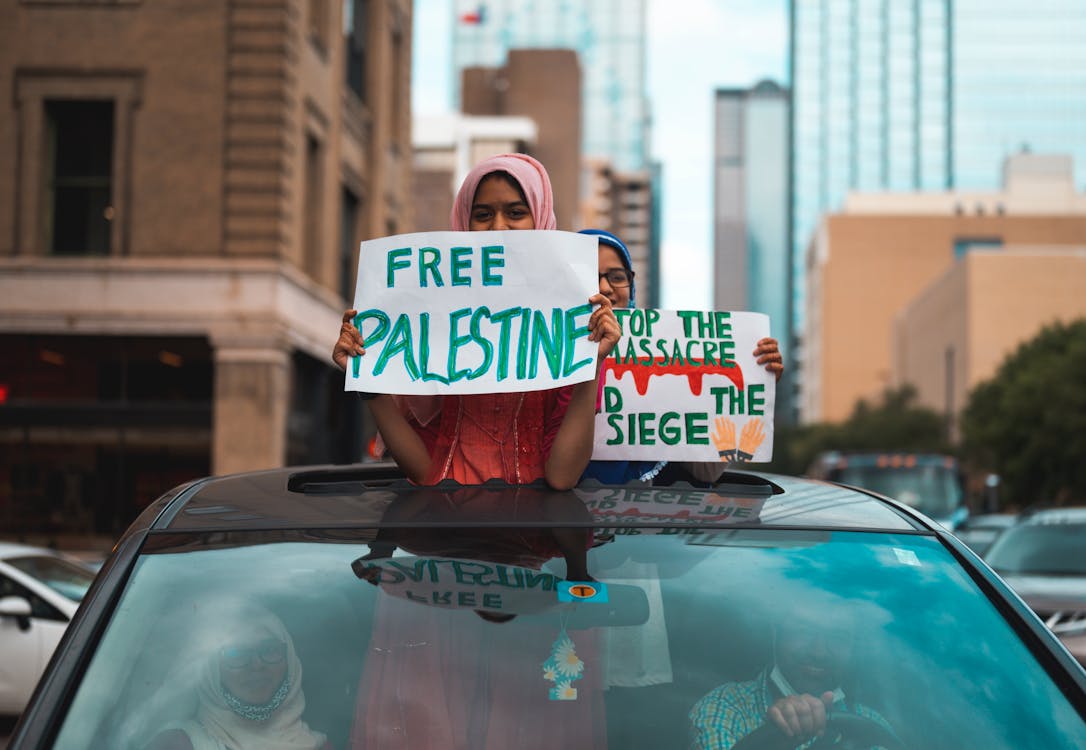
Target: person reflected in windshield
[
  {"x": 470, "y": 647},
  {"x": 249, "y": 695},
  {"x": 798, "y": 700}
]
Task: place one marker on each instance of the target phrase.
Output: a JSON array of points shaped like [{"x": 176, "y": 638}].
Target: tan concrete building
[
  {"x": 545, "y": 86},
  {"x": 622, "y": 202},
  {"x": 956, "y": 332},
  {"x": 179, "y": 223},
  {"x": 867, "y": 263}
]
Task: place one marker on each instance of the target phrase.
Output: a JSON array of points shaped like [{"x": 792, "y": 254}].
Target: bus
[{"x": 931, "y": 483}]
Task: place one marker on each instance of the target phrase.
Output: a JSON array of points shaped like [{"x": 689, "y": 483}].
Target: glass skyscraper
[
  {"x": 609, "y": 36},
  {"x": 920, "y": 95}
]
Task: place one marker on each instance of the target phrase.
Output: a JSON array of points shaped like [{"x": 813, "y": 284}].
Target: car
[
  {"x": 979, "y": 531},
  {"x": 40, "y": 590},
  {"x": 606, "y": 616},
  {"x": 1043, "y": 558}
]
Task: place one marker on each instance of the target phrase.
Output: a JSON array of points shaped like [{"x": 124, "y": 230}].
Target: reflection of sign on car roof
[
  {"x": 461, "y": 584},
  {"x": 628, "y": 507}
]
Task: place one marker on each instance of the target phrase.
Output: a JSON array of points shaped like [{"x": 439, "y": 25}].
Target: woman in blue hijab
[{"x": 617, "y": 284}]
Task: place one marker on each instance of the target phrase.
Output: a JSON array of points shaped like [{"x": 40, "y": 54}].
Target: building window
[
  {"x": 354, "y": 31},
  {"x": 314, "y": 187},
  {"x": 963, "y": 245},
  {"x": 74, "y": 171},
  {"x": 79, "y": 185},
  {"x": 348, "y": 245},
  {"x": 318, "y": 24}
]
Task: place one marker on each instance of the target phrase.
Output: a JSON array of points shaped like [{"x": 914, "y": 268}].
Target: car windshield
[
  {"x": 66, "y": 578},
  {"x": 1040, "y": 549},
  {"x": 420, "y": 638},
  {"x": 933, "y": 490}
]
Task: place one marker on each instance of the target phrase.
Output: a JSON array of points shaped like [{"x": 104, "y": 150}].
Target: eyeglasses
[
  {"x": 239, "y": 657},
  {"x": 618, "y": 277}
]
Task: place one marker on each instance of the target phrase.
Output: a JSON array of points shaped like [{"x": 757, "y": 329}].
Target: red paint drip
[{"x": 694, "y": 371}]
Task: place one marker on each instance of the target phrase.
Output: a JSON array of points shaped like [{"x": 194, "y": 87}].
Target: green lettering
[
  {"x": 756, "y": 403},
  {"x": 393, "y": 264},
  {"x": 550, "y": 341},
  {"x": 490, "y": 262},
  {"x": 461, "y": 261},
  {"x": 504, "y": 320},
  {"x": 671, "y": 435},
  {"x": 455, "y": 342},
  {"x": 615, "y": 421},
  {"x": 377, "y": 334},
  {"x": 488, "y": 348},
  {"x": 429, "y": 258},
  {"x": 697, "y": 428},
  {"x": 574, "y": 332},
  {"x": 399, "y": 341}
]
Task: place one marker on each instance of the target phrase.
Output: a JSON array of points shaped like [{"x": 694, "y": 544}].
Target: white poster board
[
  {"x": 684, "y": 385},
  {"x": 474, "y": 312}
]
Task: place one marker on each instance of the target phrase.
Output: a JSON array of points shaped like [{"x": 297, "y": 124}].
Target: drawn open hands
[
  {"x": 752, "y": 436},
  {"x": 724, "y": 438}
]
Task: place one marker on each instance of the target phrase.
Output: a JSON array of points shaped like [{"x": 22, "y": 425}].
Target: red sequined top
[{"x": 504, "y": 436}]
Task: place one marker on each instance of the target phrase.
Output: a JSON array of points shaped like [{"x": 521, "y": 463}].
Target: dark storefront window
[{"x": 94, "y": 428}]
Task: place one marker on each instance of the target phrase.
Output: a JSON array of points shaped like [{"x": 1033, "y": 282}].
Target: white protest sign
[
  {"x": 474, "y": 312},
  {"x": 684, "y": 385}
]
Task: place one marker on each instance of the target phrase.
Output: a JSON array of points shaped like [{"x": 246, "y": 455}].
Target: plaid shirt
[{"x": 730, "y": 712}]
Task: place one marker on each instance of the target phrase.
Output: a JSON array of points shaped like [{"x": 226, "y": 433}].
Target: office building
[
  {"x": 870, "y": 263},
  {"x": 609, "y": 38},
  {"x": 927, "y": 95},
  {"x": 751, "y": 250}
]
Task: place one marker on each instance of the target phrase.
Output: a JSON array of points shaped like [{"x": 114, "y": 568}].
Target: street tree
[{"x": 1028, "y": 422}]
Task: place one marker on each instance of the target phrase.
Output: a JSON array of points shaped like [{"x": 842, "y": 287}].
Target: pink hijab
[
  {"x": 529, "y": 174},
  {"x": 536, "y": 186}
]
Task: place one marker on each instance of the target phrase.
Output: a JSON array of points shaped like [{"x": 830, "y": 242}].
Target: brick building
[{"x": 186, "y": 188}]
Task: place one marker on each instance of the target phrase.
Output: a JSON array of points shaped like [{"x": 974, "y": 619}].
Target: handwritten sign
[
  {"x": 474, "y": 312},
  {"x": 684, "y": 385}
]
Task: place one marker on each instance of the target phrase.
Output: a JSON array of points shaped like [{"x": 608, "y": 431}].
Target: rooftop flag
[{"x": 475, "y": 17}]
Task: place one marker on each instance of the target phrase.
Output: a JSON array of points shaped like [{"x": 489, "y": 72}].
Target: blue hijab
[
  {"x": 620, "y": 472},
  {"x": 623, "y": 252}
]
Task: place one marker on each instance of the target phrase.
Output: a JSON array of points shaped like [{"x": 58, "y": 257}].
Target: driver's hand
[{"x": 800, "y": 716}]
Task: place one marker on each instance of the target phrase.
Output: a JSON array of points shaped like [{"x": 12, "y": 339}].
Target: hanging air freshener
[{"x": 563, "y": 668}]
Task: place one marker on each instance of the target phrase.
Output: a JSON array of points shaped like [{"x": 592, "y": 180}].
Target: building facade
[
  {"x": 926, "y": 95},
  {"x": 178, "y": 239},
  {"x": 870, "y": 262},
  {"x": 751, "y": 249},
  {"x": 543, "y": 85},
  {"x": 958, "y": 331}
]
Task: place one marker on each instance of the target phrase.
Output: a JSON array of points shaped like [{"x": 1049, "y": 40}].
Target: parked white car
[{"x": 39, "y": 592}]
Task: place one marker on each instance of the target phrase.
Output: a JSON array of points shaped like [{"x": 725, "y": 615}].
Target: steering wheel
[{"x": 850, "y": 731}]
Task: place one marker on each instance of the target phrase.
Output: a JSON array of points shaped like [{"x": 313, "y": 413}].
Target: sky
[{"x": 694, "y": 47}]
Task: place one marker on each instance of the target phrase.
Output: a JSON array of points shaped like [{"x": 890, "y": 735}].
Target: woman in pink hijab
[{"x": 516, "y": 437}]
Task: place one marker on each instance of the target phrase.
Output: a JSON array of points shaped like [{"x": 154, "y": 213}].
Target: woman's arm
[
  {"x": 572, "y": 446},
  {"x": 400, "y": 438}
]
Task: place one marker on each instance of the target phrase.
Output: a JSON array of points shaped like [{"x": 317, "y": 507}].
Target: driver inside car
[{"x": 798, "y": 701}]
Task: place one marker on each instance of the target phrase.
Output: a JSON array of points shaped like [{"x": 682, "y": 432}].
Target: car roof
[
  {"x": 12, "y": 549},
  {"x": 358, "y": 496},
  {"x": 1055, "y": 516}
]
